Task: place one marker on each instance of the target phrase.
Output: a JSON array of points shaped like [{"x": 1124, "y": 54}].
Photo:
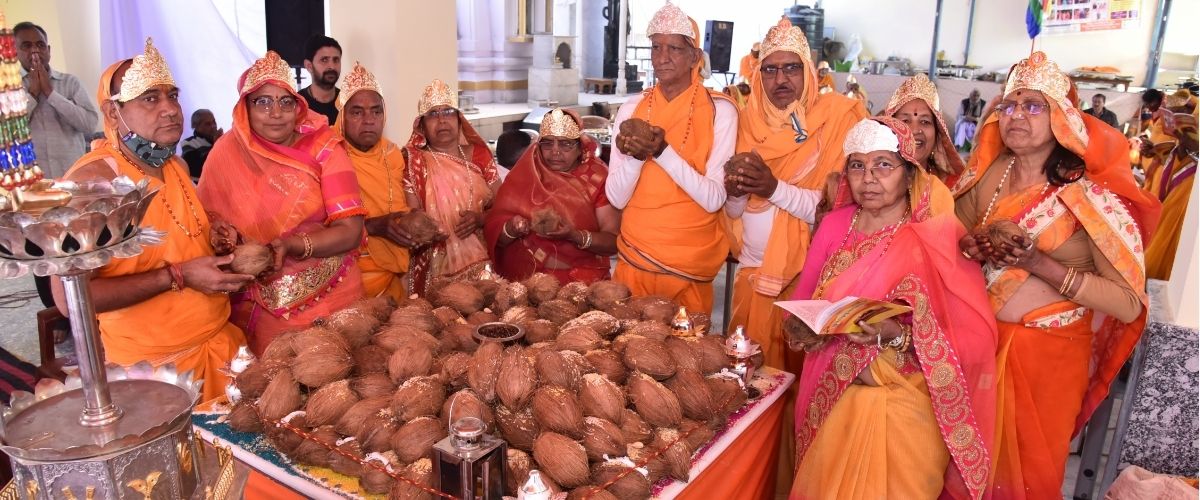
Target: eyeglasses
[
  {"x": 564, "y": 145},
  {"x": 857, "y": 169},
  {"x": 1030, "y": 108},
  {"x": 264, "y": 103},
  {"x": 787, "y": 69},
  {"x": 442, "y": 113}
]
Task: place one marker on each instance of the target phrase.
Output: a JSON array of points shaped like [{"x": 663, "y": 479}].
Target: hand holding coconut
[
  {"x": 204, "y": 274},
  {"x": 641, "y": 140},
  {"x": 516, "y": 228},
  {"x": 223, "y": 235}
]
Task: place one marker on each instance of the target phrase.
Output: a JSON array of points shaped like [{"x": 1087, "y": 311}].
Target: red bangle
[{"x": 176, "y": 272}]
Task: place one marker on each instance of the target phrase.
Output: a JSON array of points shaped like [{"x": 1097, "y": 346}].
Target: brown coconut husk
[
  {"x": 654, "y": 308},
  {"x": 517, "y": 466},
  {"x": 634, "y": 427},
  {"x": 489, "y": 288},
  {"x": 710, "y": 352},
  {"x": 623, "y": 312},
  {"x": 652, "y": 330},
  {"x": 465, "y": 403},
  {"x": 447, "y": 315},
  {"x": 606, "y": 294},
  {"x": 251, "y": 258},
  {"x": 372, "y": 385},
  {"x": 539, "y": 330},
  {"x": 377, "y": 429},
  {"x": 542, "y": 287},
  {"x": 463, "y": 297},
  {"x": 698, "y": 433},
  {"x": 631, "y": 486},
  {"x": 519, "y": 314},
  {"x": 355, "y": 325},
  {"x": 419, "y": 472},
  {"x": 351, "y": 422},
  {"x": 602, "y": 437},
  {"x": 380, "y": 307},
  {"x": 410, "y": 360},
  {"x": 415, "y": 318},
  {"x": 377, "y": 481},
  {"x": 545, "y": 220},
  {"x": 341, "y": 464},
  {"x": 244, "y": 418},
  {"x": 1003, "y": 231},
  {"x": 481, "y": 317},
  {"x": 284, "y": 440},
  {"x": 459, "y": 337},
  {"x": 418, "y": 397},
  {"x": 392, "y": 337},
  {"x": 581, "y": 364},
  {"x": 420, "y": 228},
  {"x": 683, "y": 351},
  {"x": 600, "y": 397},
  {"x": 511, "y": 295},
  {"x": 327, "y": 404},
  {"x": 604, "y": 324},
  {"x": 314, "y": 450},
  {"x": 253, "y": 380},
  {"x": 727, "y": 394},
  {"x": 370, "y": 359},
  {"x": 650, "y": 357},
  {"x": 485, "y": 368},
  {"x": 677, "y": 456},
  {"x": 561, "y": 458},
  {"x": 322, "y": 363},
  {"x": 579, "y": 339},
  {"x": 414, "y": 440},
  {"x": 317, "y": 334},
  {"x": 557, "y": 410},
  {"x": 281, "y": 397},
  {"x": 454, "y": 369},
  {"x": 557, "y": 311},
  {"x": 418, "y": 302},
  {"x": 654, "y": 402},
  {"x": 693, "y": 393},
  {"x": 554, "y": 369},
  {"x": 517, "y": 378},
  {"x": 607, "y": 363},
  {"x": 518, "y": 427},
  {"x": 575, "y": 292},
  {"x": 279, "y": 350}
]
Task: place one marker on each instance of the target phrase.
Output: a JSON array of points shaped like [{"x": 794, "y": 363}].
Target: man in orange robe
[
  {"x": 789, "y": 140},
  {"x": 666, "y": 172},
  {"x": 379, "y": 164},
  {"x": 750, "y": 62},
  {"x": 169, "y": 304}
]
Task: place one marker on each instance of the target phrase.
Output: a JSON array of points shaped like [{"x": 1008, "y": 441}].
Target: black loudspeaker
[
  {"x": 718, "y": 42},
  {"x": 290, "y": 23}
]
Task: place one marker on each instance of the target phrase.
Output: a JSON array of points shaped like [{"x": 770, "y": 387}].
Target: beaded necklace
[
  {"x": 691, "y": 97},
  {"x": 170, "y": 211},
  {"x": 1000, "y": 187}
]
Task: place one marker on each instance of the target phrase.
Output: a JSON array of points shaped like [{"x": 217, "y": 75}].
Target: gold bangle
[
  {"x": 587, "y": 240},
  {"x": 308, "y": 246},
  {"x": 1066, "y": 282}
]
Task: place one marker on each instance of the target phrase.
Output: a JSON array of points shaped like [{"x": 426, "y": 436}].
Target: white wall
[{"x": 73, "y": 31}]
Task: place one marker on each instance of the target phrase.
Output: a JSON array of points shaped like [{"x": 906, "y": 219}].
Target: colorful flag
[{"x": 1033, "y": 18}]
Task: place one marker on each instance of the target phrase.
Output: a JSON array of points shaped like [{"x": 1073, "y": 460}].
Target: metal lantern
[
  {"x": 469, "y": 463},
  {"x": 740, "y": 349}
]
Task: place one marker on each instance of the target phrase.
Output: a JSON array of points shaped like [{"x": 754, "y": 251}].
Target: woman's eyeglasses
[
  {"x": 264, "y": 103},
  {"x": 787, "y": 69},
  {"x": 878, "y": 171},
  {"x": 565, "y": 145},
  {"x": 442, "y": 113},
  {"x": 1029, "y": 108}
]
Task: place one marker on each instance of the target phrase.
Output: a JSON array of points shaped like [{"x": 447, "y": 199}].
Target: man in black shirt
[
  {"x": 196, "y": 148},
  {"x": 1098, "y": 110},
  {"x": 323, "y": 60}
]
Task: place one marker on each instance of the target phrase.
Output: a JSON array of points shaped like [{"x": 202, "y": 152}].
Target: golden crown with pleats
[
  {"x": 437, "y": 93},
  {"x": 147, "y": 71},
  {"x": 670, "y": 20},
  {"x": 559, "y": 124},
  {"x": 358, "y": 79},
  {"x": 784, "y": 36},
  {"x": 1040, "y": 74},
  {"x": 269, "y": 68},
  {"x": 917, "y": 87}
]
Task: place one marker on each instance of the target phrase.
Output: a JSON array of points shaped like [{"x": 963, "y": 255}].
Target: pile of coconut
[{"x": 597, "y": 386}]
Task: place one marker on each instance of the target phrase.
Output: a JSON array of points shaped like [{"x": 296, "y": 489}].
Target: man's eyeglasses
[
  {"x": 788, "y": 69},
  {"x": 1030, "y": 108},
  {"x": 564, "y": 145},
  {"x": 264, "y": 103}
]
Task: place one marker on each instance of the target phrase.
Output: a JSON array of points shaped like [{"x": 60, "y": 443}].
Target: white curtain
[{"x": 202, "y": 48}]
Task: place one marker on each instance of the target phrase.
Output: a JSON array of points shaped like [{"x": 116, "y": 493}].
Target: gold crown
[
  {"x": 269, "y": 68},
  {"x": 670, "y": 20},
  {"x": 147, "y": 71},
  {"x": 1040, "y": 74},
  {"x": 437, "y": 93},
  {"x": 559, "y": 124},
  {"x": 784, "y": 36},
  {"x": 358, "y": 79},
  {"x": 917, "y": 87}
]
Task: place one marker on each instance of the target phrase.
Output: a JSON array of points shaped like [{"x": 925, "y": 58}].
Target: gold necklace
[
  {"x": 843, "y": 257},
  {"x": 1000, "y": 187},
  {"x": 171, "y": 212}
]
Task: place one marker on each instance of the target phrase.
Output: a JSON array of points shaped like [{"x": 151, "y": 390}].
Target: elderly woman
[
  {"x": 452, "y": 176},
  {"x": 551, "y": 214},
  {"x": 283, "y": 177},
  {"x": 905, "y": 409},
  {"x": 1060, "y": 224},
  {"x": 916, "y": 103}
]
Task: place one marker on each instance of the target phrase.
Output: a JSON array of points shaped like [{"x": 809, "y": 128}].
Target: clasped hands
[
  {"x": 519, "y": 227},
  {"x": 1018, "y": 251},
  {"x": 747, "y": 173},
  {"x": 641, "y": 140}
]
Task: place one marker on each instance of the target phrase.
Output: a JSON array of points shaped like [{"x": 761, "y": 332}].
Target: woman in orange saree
[
  {"x": 1063, "y": 265},
  {"x": 452, "y": 176},
  {"x": 561, "y": 173},
  {"x": 283, "y": 177},
  {"x": 906, "y": 409}
]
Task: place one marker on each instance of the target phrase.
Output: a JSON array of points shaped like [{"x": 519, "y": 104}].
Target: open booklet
[{"x": 842, "y": 316}]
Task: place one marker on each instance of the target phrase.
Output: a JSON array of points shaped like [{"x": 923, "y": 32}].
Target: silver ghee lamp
[
  {"x": 469, "y": 463},
  {"x": 104, "y": 433},
  {"x": 740, "y": 350}
]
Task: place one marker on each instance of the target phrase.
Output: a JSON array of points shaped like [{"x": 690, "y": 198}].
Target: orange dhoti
[
  {"x": 379, "y": 281},
  {"x": 696, "y": 296}
]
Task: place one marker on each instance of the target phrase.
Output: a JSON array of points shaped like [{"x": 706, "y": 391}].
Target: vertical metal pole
[
  {"x": 937, "y": 27},
  {"x": 622, "y": 34},
  {"x": 970, "y": 30},
  {"x": 1160, "y": 35},
  {"x": 98, "y": 408}
]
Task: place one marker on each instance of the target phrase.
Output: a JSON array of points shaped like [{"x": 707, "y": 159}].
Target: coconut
[
  {"x": 605, "y": 294},
  {"x": 557, "y": 410},
  {"x": 575, "y": 292},
  {"x": 341, "y": 464},
  {"x": 454, "y": 369},
  {"x": 578, "y": 339},
  {"x": 710, "y": 352},
  {"x": 317, "y": 334},
  {"x": 447, "y": 315},
  {"x": 727, "y": 394},
  {"x": 481, "y": 317},
  {"x": 352, "y": 421},
  {"x": 251, "y": 258},
  {"x": 677, "y": 456},
  {"x": 355, "y": 325},
  {"x": 650, "y": 357},
  {"x": 372, "y": 385},
  {"x": 517, "y": 378},
  {"x": 244, "y": 418},
  {"x": 641, "y": 454},
  {"x": 463, "y": 297},
  {"x": 600, "y": 397},
  {"x": 459, "y": 337},
  {"x": 602, "y": 437},
  {"x": 563, "y": 459},
  {"x": 376, "y": 432},
  {"x": 557, "y": 311},
  {"x": 418, "y": 397},
  {"x": 519, "y": 314},
  {"x": 652, "y": 330},
  {"x": 415, "y": 439},
  {"x": 485, "y": 367},
  {"x": 607, "y": 363},
  {"x": 546, "y": 220},
  {"x": 279, "y": 350},
  {"x": 604, "y": 324},
  {"x": 695, "y": 397},
  {"x": 375, "y": 478},
  {"x": 419, "y": 472},
  {"x": 410, "y": 360},
  {"x": 518, "y": 427},
  {"x": 554, "y": 369},
  {"x": 253, "y": 380},
  {"x": 320, "y": 360},
  {"x": 633, "y": 427},
  {"x": 683, "y": 351},
  {"x": 1003, "y": 231},
  {"x": 654, "y": 402},
  {"x": 632, "y": 485},
  {"x": 370, "y": 359},
  {"x": 415, "y": 318},
  {"x": 696, "y": 433},
  {"x": 421, "y": 228},
  {"x": 654, "y": 308},
  {"x": 465, "y": 403},
  {"x": 326, "y": 404},
  {"x": 489, "y": 288},
  {"x": 517, "y": 465},
  {"x": 286, "y": 440},
  {"x": 623, "y": 312},
  {"x": 281, "y": 397},
  {"x": 540, "y": 330},
  {"x": 542, "y": 287},
  {"x": 511, "y": 295},
  {"x": 314, "y": 449}
]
